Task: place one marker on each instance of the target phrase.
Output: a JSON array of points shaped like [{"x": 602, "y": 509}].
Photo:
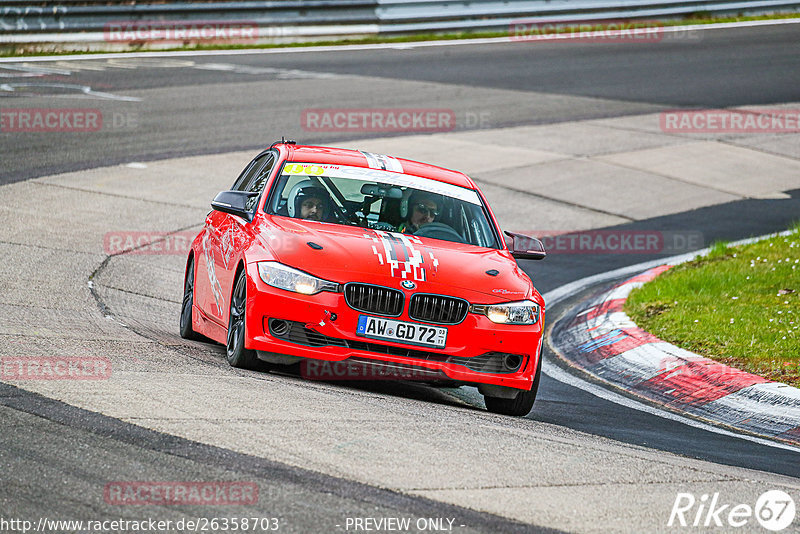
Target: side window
[
  {"x": 259, "y": 180},
  {"x": 280, "y": 200},
  {"x": 247, "y": 175}
]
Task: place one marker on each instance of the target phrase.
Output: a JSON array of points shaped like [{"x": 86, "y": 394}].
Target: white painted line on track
[
  {"x": 80, "y": 91},
  {"x": 557, "y": 373},
  {"x": 379, "y": 46}
]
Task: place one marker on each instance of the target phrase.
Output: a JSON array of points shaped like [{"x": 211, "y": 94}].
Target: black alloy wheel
[
  {"x": 186, "y": 330},
  {"x": 237, "y": 354}
]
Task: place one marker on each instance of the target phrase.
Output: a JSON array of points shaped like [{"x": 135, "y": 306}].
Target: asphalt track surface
[{"x": 195, "y": 110}]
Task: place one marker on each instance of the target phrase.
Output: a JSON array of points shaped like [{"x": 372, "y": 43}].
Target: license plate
[{"x": 401, "y": 331}]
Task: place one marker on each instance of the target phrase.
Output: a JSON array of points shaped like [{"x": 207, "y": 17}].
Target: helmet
[{"x": 304, "y": 190}]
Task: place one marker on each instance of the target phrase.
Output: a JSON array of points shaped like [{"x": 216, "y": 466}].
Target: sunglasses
[{"x": 425, "y": 210}]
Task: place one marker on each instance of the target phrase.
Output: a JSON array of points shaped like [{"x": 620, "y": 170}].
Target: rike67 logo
[{"x": 774, "y": 510}]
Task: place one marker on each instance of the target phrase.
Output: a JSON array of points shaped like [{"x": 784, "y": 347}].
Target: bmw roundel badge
[{"x": 408, "y": 284}]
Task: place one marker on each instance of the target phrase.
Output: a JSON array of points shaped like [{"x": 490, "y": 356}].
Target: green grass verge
[
  {"x": 738, "y": 305},
  {"x": 12, "y": 50}
]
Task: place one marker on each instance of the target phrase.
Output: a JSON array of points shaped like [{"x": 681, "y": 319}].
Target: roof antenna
[{"x": 284, "y": 141}]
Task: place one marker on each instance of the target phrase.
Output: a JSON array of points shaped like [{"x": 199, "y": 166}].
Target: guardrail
[
  {"x": 87, "y": 21},
  {"x": 62, "y": 17},
  {"x": 435, "y": 15}
]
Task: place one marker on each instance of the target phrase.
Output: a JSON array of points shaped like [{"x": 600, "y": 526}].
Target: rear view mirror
[
  {"x": 234, "y": 202},
  {"x": 381, "y": 191},
  {"x": 524, "y": 247}
]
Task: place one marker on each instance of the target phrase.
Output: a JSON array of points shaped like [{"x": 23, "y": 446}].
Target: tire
[
  {"x": 237, "y": 355},
  {"x": 520, "y": 405},
  {"x": 186, "y": 330}
]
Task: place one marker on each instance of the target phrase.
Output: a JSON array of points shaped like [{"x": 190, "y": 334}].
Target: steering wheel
[
  {"x": 349, "y": 216},
  {"x": 439, "y": 230}
]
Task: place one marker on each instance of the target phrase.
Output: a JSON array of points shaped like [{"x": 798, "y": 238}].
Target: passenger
[{"x": 422, "y": 210}]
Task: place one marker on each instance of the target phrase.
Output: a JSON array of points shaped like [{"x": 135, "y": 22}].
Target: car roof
[{"x": 355, "y": 158}]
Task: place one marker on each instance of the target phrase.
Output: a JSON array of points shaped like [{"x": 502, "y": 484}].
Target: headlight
[
  {"x": 284, "y": 277},
  {"x": 523, "y": 312}
]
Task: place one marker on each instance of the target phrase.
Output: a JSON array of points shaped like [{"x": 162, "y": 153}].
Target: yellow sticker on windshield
[{"x": 309, "y": 169}]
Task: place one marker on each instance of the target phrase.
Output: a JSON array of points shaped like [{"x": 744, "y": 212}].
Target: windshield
[{"x": 382, "y": 200}]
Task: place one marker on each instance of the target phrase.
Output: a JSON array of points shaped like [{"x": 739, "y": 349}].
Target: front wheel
[
  {"x": 186, "y": 330},
  {"x": 237, "y": 355},
  {"x": 520, "y": 405},
  {"x": 517, "y": 407}
]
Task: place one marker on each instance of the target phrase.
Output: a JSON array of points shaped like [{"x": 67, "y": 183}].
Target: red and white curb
[{"x": 599, "y": 338}]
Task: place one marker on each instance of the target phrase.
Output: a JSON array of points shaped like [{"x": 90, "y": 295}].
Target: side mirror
[
  {"x": 234, "y": 202},
  {"x": 526, "y": 248}
]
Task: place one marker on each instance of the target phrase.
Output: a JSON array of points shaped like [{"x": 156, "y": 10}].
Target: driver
[
  {"x": 422, "y": 210},
  {"x": 311, "y": 202}
]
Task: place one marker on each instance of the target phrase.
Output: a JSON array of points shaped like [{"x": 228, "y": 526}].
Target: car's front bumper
[{"x": 323, "y": 326}]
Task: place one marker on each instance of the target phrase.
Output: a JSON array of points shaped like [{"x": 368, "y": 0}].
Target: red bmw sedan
[{"x": 365, "y": 266}]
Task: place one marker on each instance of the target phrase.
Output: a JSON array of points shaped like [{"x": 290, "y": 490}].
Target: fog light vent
[{"x": 278, "y": 327}]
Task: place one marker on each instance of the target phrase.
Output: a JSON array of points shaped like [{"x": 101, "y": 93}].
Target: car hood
[{"x": 353, "y": 254}]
